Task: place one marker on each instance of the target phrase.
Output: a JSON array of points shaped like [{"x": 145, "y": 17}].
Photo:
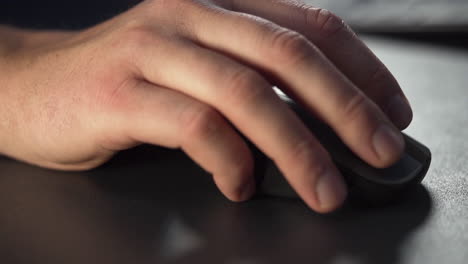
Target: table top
[{"x": 153, "y": 205}]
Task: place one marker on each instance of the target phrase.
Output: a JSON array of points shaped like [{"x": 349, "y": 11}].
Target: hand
[{"x": 185, "y": 74}]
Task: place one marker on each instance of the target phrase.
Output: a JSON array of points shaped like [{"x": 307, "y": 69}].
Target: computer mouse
[{"x": 367, "y": 185}]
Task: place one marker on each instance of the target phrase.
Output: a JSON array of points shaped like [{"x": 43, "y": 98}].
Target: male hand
[{"x": 190, "y": 73}]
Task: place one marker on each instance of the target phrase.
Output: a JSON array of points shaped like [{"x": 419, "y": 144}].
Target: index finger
[{"x": 341, "y": 45}]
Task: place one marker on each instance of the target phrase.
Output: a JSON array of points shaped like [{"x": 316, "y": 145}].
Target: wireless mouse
[{"x": 366, "y": 184}]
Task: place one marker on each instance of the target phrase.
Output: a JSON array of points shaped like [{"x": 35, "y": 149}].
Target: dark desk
[{"x": 152, "y": 205}]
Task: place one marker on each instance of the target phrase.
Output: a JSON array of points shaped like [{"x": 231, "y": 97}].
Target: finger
[
  {"x": 341, "y": 45},
  {"x": 249, "y": 102},
  {"x": 168, "y": 118},
  {"x": 307, "y": 75}
]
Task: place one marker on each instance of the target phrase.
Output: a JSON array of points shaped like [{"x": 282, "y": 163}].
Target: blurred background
[
  {"x": 435, "y": 21},
  {"x": 439, "y": 21},
  {"x": 401, "y": 15},
  {"x": 363, "y": 15}
]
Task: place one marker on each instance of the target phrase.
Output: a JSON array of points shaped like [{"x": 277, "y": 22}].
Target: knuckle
[
  {"x": 200, "y": 122},
  {"x": 288, "y": 46},
  {"x": 309, "y": 14},
  {"x": 168, "y": 3},
  {"x": 137, "y": 34},
  {"x": 354, "y": 108},
  {"x": 173, "y": 6},
  {"x": 328, "y": 23},
  {"x": 307, "y": 157},
  {"x": 131, "y": 37},
  {"x": 244, "y": 87}
]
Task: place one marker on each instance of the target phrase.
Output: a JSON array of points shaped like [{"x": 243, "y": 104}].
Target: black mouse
[{"x": 366, "y": 184}]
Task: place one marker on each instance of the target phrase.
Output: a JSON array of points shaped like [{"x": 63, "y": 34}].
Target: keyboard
[{"x": 400, "y": 15}]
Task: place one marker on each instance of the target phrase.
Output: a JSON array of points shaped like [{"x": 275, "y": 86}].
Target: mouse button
[
  {"x": 405, "y": 170},
  {"x": 417, "y": 150}
]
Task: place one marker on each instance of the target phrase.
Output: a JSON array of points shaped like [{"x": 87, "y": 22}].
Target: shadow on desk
[{"x": 151, "y": 205}]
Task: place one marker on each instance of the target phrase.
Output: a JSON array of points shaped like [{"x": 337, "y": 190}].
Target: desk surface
[{"x": 152, "y": 205}]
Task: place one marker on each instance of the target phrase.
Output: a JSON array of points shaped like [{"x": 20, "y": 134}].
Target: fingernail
[
  {"x": 399, "y": 111},
  {"x": 248, "y": 191},
  {"x": 331, "y": 190},
  {"x": 388, "y": 142}
]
